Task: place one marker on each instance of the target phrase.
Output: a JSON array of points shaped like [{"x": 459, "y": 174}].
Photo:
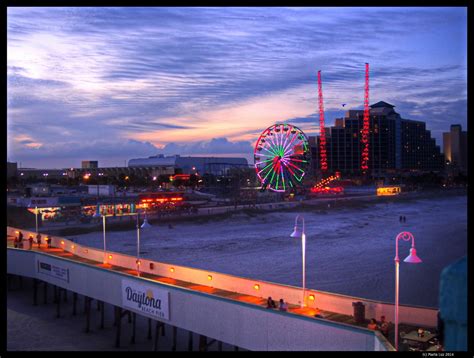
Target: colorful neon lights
[
  {"x": 327, "y": 190},
  {"x": 281, "y": 157},
  {"x": 322, "y": 132},
  {"x": 365, "y": 130},
  {"x": 389, "y": 190}
]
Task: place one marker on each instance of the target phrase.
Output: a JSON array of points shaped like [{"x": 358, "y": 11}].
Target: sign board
[
  {"x": 145, "y": 299},
  {"x": 46, "y": 267}
]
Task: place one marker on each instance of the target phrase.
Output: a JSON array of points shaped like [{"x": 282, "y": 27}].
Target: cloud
[
  {"x": 215, "y": 145},
  {"x": 182, "y": 75}
]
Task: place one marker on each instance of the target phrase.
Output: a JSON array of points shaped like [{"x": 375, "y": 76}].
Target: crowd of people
[{"x": 18, "y": 241}]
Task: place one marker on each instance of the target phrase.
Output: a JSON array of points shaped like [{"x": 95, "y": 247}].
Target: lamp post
[
  {"x": 412, "y": 258},
  {"x": 138, "y": 243},
  {"x": 36, "y": 217},
  {"x": 145, "y": 225},
  {"x": 98, "y": 215},
  {"x": 298, "y": 233}
]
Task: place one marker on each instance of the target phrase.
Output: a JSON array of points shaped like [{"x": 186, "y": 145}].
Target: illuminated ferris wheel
[{"x": 281, "y": 155}]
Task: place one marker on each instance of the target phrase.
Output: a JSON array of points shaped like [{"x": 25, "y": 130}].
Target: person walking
[
  {"x": 30, "y": 240},
  {"x": 20, "y": 240},
  {"x": 38, "y": 239}
]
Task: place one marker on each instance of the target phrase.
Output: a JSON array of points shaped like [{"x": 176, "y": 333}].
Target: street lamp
[
  {"x": 36, "y": 217},
  {"x": 98, "y": 215},
  {"x": 145, "y": 225},
  {"x": 298, "y": 233},
  {"x": 412, "y": 258}
]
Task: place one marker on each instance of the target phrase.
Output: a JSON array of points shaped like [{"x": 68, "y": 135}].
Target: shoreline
[{"x": 319, "y": 205}]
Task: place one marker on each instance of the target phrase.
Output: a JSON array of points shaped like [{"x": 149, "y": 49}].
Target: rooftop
[{"x": 382, "y": 104}]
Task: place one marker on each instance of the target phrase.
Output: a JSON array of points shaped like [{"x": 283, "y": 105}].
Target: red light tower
[
  {"x": 365, "y": 129},
  {"x": 322, "y": 134}
]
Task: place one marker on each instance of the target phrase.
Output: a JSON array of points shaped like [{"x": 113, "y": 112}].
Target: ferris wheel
[{"x": 281, "y": 155}]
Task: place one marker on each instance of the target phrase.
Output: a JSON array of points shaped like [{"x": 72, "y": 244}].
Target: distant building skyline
[
  {"x": 396, "y": 144},
  {"x": 119, "y": 83}
]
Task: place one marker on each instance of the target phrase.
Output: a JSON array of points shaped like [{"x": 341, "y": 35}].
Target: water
[{"x": 348, "y": 251}]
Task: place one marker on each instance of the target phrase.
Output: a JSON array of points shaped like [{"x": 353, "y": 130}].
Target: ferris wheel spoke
[
  {"x": 296, "y": 160},
  {"x": 283, "y": 179},
  {"x": 268, "y": 166},
  {"x": 284, "y": 144},
  {"x": 271, "y": 179},
  {"x": 294, "y": 174},
  {"x": 264, "y": 161},
  {"x": 265, "y": 155},
  {"x": 295, "y": 136},
  {"x": 271, "y": 139},
  {"x": 270, "y": 150},
  {"x": 265, "y": 177},
  {"x": 294, "y": 166}
]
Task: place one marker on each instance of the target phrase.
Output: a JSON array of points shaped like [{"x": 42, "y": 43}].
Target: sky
[{"x": 112, "y": 84}]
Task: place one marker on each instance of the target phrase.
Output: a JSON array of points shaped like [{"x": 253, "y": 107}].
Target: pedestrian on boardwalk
[
  {"x": 20, "y": 240},
  {"x": 38, "y": 239},
  {"x": 283, "y": 305},
  {"x": 372, "y": 325},
  {"x": 30, "y": 239},
  {"x": 400, "y": 219},
  {"x": 270, "y": 303},
  {"x": 383, "y": 326}
]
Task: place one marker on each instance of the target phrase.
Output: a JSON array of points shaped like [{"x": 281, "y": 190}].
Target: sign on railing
[
  {"x": 46, "y": 267},
  {"x": 145, "y": 299}
]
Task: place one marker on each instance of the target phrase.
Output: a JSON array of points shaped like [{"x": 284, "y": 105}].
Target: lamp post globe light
[
  {"x": 145, "y": 224},
  {"x": 412, "y": 258},
  {"x": 301, "y": 233}
]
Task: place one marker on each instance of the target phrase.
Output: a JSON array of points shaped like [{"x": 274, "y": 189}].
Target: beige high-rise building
[{"x": 455, "y": 147}]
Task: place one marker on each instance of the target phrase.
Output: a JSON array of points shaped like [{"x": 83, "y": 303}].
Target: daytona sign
[{"x": 145, "y": 299}]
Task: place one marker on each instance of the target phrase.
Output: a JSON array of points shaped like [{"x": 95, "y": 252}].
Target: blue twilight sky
[{"x": 111, "y": 84}]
